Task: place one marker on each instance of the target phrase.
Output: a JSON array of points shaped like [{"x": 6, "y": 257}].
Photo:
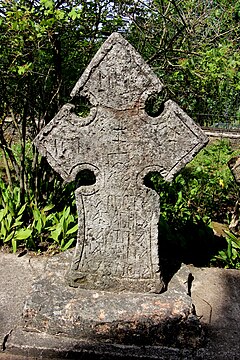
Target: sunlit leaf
[
  {"x": 72, "y": 230},
  {"x": 23, "y": 234}
]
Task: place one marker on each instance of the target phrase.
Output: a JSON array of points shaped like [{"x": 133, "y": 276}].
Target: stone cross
[{"x": 118, "y": 144}]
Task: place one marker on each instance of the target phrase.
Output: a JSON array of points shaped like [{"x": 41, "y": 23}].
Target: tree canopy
[{"x": 193, "y": 47}]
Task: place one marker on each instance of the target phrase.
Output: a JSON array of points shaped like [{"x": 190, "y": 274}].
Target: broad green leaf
[
  {"x": 16, "y": 224},
  {"x": 73, "y": 14},
  {"x": 72, "y": 230},
  {"x": 68, "y": 244},
  {"x": 55, "y": 233},
  {"x": 48, "y": 207},
  {"x": 36, "y": 214},
  {"x": 70, "y": 218},
  {"x": 60, "y": 14},
  {"x": 233, "y": 238},
  {"x": 48, "y": 4},
  {"x": 66, "y": 212},
  {"x": 39, "y": 226},
  {"x": 9, "y": 237},
  {"x": 23, "y": 234},
  {"x": 22, "y": 209}
]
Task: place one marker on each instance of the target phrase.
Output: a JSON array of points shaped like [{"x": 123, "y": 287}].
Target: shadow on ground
[
  {"x": 215, "y": 294},
  {"x": 192, "y": 243}
]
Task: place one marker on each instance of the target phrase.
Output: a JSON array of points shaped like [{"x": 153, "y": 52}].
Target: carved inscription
[{"x": 117, "y": 246}]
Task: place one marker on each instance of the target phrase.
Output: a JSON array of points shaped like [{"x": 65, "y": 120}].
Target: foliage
[
  {"x": 204, "y": 191},
  {"x": 63, "y": 231},
  {"x": 229, "y": 258},
  {"x": 43, "y": 45},
  {"x": 193, "y": 47},
  {"x": 11, "y": 217},
  {"x": 32, "y": 228}
]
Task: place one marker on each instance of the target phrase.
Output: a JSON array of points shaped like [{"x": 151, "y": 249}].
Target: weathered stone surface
[
  {"x": 45, "y": 346},
  {"x": 117, "y": 247},
  {"x": 114, "y": 318},
  {"x": 215, "y": 293}
]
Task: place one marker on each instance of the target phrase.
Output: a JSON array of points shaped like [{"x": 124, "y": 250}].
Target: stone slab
[
  {"x": 98, "y": 317},
  {"x": 33, "y": 346},
  {"x": 215, "y": 292},
  {"x": 45, "y": 346},
  {"x": 17, "y": 276},
  {"x": 165, "y": 319}
]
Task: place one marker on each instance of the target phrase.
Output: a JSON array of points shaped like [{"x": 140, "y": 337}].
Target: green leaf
[
  {"x": 9, "y": 220},
  {"x": 73, "y": 14},
  {"x": 48, "y": 207},
  {"x": 39, "y": 226},
  {"x": 22, "y": 69},
  {"x": 3, "y": 230},
  {"x": 1, "y": 214},
  {"x": 9, "y": 237},
  {"x": 49, "y": 217},
  {"x": 56, "y": 233},
  {"x": 66, "y": 212},
  {"x": 36, "y": 214},
  {"x": 60, "y": 14},
  {"x": 14, "y": 245},
  {"x": 68, "y": 244},
  {"x": 229, "y": 250},
  {"x": 18, "y": 218},
  {"x": 5, "y": 210},
  {"x": 61, "y": 220},
  {"x": 48, "y": 4},
  {"x": 72, "y": 230},
  {"x": 179, "y": 198},
  {"x": 16, "y": 224},
  {"x": 233, "y": 238},
  {"x": 22, "y": 209},
  {"x": 23, "y": 234}
]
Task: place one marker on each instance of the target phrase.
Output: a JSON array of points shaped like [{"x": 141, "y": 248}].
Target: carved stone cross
[{"x": 117, "y": 244}]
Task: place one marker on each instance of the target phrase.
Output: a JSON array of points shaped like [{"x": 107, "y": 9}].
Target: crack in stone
[{"x": 5, "y": 339}]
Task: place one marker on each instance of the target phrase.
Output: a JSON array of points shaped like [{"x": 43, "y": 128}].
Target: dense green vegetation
[
  {"x": 29, "y": 227},
  {"x": 203, "y": 193},
  {"x": 45, "y": 45}
]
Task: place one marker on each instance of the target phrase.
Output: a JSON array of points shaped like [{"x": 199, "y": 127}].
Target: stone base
[
  {"x": 34, "y": 346},
  {"x": 113, "y": 284},
  {"x": 81, "y": 319}
]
